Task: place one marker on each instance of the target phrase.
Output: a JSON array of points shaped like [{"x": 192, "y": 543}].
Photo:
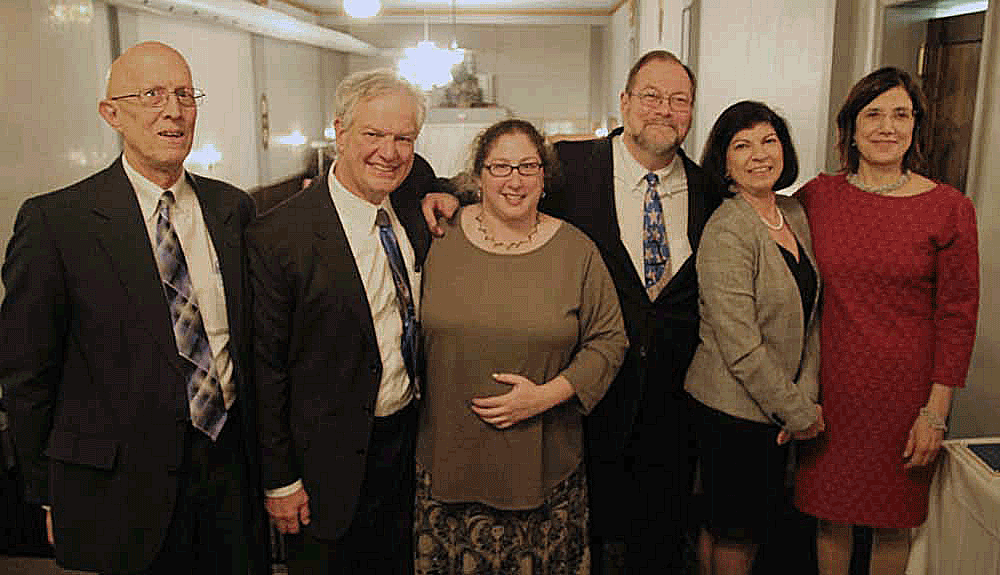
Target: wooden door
[{"x": 950, "y": 73}]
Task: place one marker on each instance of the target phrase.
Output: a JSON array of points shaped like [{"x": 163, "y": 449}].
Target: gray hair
[{"x": 366, "y": 85}]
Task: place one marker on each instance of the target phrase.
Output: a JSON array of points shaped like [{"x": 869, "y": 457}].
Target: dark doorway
[{"x": 950, "y": 74}]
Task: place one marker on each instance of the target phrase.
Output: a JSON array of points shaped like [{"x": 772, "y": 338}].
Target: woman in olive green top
[{"x": 523, "y": 335}]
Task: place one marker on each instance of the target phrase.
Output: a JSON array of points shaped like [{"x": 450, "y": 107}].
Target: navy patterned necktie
[
  {"x": 404, "y": 297},
  {"x": 655, "y": 251},
  {"x": 205, "y": 400}
]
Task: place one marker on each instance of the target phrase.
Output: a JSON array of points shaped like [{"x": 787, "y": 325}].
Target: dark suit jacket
[
  {"x": 88, "y": 352},
  {"x": 317, "y": 361},
  {"x": 647, "y": 393}
]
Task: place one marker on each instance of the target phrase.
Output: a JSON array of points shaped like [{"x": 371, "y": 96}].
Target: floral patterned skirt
[{"x": 473, "y": 538}]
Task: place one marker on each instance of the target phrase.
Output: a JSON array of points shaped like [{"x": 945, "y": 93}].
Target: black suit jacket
[
  {"x": 88, "y": 354},
  {"x": 317, "y": 361},
  {"x": 662, "y": 334}
]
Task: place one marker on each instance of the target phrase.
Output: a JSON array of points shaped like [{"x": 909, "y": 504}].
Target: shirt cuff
[{"x": 284, "y": 491}]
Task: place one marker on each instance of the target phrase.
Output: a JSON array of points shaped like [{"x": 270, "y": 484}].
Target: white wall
[
  {"x": 54, "y": 60},
  {"x": 774, "y": 51},
  {"x": 660, "y": 25},
  {"x": 621, "y": 56},
  {"x": 599, "y": 69},
  {"x": 221, "y": 66},
  {"x": 540, "y": 73},
  {"x": 290, "y": 75}
]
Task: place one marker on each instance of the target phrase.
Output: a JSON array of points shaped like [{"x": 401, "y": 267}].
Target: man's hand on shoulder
[
  {"x": 437, "y": 204},
  {"x": 290, "y": 511}
]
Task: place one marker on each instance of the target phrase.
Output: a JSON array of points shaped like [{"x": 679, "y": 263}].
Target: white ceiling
[{"x": 418, "y": 7}]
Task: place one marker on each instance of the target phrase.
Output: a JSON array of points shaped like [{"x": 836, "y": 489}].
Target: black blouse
[{"x": 805, "y": 277}]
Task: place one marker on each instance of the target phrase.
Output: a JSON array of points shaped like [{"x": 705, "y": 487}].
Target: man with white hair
[{"x": 335, "y": 272}]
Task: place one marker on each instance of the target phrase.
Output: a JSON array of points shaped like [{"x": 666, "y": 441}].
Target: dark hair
[
  {"x": 657, "y": 55},
  {"x": 742, "y": 116},
  {"x": 487, "y": 138},
  {"x": 867, "y": 89}
]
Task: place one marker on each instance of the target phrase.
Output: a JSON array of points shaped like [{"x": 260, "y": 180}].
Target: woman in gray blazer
[{"x": 754, "y": 374}]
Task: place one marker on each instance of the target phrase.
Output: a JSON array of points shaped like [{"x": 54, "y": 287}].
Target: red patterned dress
[{"x": 900, "y": 297}]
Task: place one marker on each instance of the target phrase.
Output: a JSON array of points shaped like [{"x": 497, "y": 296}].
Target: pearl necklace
[
  {"x": 770, "y": 226},
  {"x": 506, "y": 245},
  {"x": 855, "y": 180}
]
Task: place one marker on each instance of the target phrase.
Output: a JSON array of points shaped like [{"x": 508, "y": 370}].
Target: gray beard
[{"x": 662, "y": 150}]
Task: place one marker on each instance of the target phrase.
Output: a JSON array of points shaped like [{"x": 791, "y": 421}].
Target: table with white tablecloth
[{"x": 962, "y": 533}]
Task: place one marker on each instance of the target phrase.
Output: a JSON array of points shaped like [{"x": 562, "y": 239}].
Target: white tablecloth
[{"x": 962, "y": 533}]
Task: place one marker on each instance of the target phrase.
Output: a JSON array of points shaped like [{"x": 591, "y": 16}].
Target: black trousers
[
  {"x": 380, "y": 538},
  {"x": 210, "y": 532},
  {"x": 641, "y": 501}
]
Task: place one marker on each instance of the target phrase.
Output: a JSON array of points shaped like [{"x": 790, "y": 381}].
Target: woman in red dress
[{"x": 898, "y": 256}]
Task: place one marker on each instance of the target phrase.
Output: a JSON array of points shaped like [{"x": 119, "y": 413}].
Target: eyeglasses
[
  {"x": 502, "y": 170},
  {"x": 679, "y": 101},
  {"x": 158, "y": 97}
]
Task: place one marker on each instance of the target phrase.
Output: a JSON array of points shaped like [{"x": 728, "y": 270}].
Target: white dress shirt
[
  {"x": 358, "y": 218},
  {"x": 202, "y": 263},
  {"x": 630, "y": 190}
]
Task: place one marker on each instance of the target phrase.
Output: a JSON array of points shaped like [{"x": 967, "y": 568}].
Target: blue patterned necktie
[
  {"x": 404, "y": 297},
  {"x": 205, "y": 401},
  {"x": 655, "y": 252}
]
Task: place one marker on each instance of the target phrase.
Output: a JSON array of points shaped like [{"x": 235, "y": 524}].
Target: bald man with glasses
[{"x": 125, "y": 347}]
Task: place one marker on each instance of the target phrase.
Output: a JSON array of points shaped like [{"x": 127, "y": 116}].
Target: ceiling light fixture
[
  {"x": 362, "y": 8},
  {"x": 428, "y": 66}
]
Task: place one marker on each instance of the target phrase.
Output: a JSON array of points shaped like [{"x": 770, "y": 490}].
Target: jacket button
[
  {"x": 642, "y": 351},
  {"x": 373, "y": 368}
]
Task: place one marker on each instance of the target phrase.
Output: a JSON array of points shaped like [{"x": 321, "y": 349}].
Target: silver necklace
[
  {"x": 855, "y": 180},
  {"x": 506, "y": 245}
]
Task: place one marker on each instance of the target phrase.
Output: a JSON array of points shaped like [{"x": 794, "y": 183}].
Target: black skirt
[{"x": 742, "y": 475}]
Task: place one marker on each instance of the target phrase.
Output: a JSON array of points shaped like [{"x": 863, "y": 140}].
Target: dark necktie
[
  {"x": 655, "y": 252},
  {"x": 205, "y": 401},
  {"x": 404, "y": 297}
]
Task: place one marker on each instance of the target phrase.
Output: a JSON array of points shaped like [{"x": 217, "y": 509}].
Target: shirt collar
[
  {"x": 357, "y": 215},
  {"x": 149, "y": 193},
  {"x": 634, "y": 174}
]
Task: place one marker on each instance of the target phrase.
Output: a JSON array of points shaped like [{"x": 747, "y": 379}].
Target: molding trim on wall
[{"x": 254, "y": 19}]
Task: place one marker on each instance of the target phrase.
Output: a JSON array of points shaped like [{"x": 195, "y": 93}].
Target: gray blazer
[{"x": 752, "y": 336}]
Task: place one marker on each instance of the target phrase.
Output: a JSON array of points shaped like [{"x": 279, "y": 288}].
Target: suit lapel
[
  {"x": 605, "y": 215},
  {"x": 333, "y": 251},
  {"x": 122, "y": 234},
  {"x": 699, "y": 209},
  {"x": 408, "y": 211},
  {"x": 224, "y": 228},
  {"x": 699, "y": 201}
]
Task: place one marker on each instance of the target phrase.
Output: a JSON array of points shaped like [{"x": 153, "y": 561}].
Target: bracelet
[{"x": 933, "y": 419}]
